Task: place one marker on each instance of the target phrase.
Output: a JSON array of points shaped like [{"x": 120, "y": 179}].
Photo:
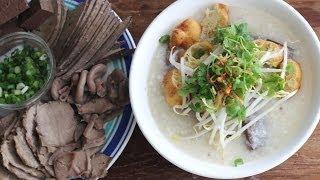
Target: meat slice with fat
[
  {"x": 56, "y": 124},
  {"x": 24, "y": 151},
  {"x": 9, "y": 156}
]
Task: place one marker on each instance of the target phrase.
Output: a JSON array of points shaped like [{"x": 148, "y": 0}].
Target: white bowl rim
[{"x": 275, "y": 162}]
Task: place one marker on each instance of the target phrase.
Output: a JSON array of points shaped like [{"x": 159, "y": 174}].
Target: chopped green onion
[
  {"x": 17, "y": 69},
  {"x": 28, "y": 65},
  {"x": 20, "y": 86},
  {"x": 237, "y": 162},
  {"x": 17, "y": 92},
  {"x": 43, "y": 57},
  {"x": 24, "y": 90},
  {"x": 290, "y": 68},
  {"x": 165, "y": 39},
  {"x": 11, "y": 86}
]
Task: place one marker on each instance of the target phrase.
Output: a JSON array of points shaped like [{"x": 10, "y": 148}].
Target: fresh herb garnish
[
  {"x": 290, "y": 68},
  {"x": 272, "y": 83},
  {"x": 237, "y": 162},
  {"x": 235, "y": 109},
  {"x": 226, "y": 80},
  {"x": 165, "y": 39},
  {"x": 197, "y": 85}
]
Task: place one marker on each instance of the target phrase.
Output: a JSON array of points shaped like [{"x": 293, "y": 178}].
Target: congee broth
[{"x": 221, "y": 87}]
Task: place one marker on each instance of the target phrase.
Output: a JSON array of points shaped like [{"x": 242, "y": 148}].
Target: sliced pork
[
  {"x": 9, "y": 156},
  {"x": 43, "y": 156},
  {"x": 56, "y": 124},
  {"x": 99, "y": 163},
  {"x": 6, "y": 175},
  {"x": 6, "y": 121},
  {"x": 18, "y": 172},
  {"x": 62, "y": 150},
  {"x": 72, "y": 165},
  {"x": 24, "y": 151},
  {"x": 96, "y": 106},
  {"x": 29, "y": 125}
]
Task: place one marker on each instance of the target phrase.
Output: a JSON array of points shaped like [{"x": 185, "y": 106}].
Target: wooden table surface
[{"x": 140, "y": 161}]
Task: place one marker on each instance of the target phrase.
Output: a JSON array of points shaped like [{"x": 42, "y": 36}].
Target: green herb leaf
[
  {"x": 165, "y": 39},
  {"x": 290, "y": 68},
  {"x": 272, "y": 83},
  {"x": 235, "y": 109},
  {"x": 237, "y": 162},
  {"x": 197, "y": 107}
]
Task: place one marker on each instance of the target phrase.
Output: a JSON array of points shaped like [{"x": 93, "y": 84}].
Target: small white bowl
[{"x": 143, "y": 56}]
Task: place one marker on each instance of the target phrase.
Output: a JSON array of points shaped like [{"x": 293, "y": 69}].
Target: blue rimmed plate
[{"x": 118, "y": 131}]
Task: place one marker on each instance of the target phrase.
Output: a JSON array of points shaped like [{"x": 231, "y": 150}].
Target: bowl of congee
[{"x": 227, "y": 89}]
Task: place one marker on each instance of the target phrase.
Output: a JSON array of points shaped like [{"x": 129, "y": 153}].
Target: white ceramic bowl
[{"x": 140, "y": 70}]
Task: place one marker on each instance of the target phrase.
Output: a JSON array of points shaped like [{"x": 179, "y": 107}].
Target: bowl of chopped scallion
[{"x": 27, "y": 69}]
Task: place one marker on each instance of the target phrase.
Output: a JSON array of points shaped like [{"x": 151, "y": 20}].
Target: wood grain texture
[{"x": 140, "y": 161}]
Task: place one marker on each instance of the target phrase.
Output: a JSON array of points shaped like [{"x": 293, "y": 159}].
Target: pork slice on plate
[
  {"x": 6, "y": 175},
  {"x": 9, "y": 156},
  {"x": 72, "y": 165},
  {"x": 29, "y": 125},
  {"x": 99, "y": 164},
  {"x": 56, "y": 124},
  {"x": 24, "y": 151},
  {"x": 6, "y": 121}
]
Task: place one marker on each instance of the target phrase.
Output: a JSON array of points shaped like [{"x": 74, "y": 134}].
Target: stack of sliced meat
[{"x": 83, "y": 37}]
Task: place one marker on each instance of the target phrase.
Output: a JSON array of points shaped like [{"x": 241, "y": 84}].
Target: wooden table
[{"x": 140, "y": 161}]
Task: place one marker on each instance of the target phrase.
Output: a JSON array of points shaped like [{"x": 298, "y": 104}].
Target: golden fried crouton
[
  {"x": 217, "y": 16},
  {"x": 171, "y": 86},
  {"x": 293, "y": 76},
  {"x": 266, "y": 45},
  {"x": 185, "y": 34}
]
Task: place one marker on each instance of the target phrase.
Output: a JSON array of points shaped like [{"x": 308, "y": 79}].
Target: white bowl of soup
[{"x": 224, "y": 89}]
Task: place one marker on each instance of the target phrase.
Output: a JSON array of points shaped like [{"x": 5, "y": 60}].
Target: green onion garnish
[
  {"x": 237, "y": 162},
  {"x": 165, "y": 39}
]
